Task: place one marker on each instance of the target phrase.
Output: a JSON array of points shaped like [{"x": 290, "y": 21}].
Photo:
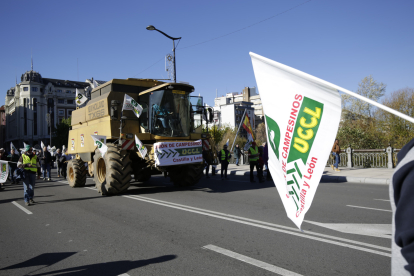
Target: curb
[
  {"x": 362, "y": 180},
  {"x": 329, "y": 178}
]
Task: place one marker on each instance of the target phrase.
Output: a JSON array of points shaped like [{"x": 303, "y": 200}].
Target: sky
[{"x": 338, "y": 41}]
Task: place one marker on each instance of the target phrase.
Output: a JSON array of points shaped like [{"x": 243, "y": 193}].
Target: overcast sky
[{"x": 338, "y": 41}]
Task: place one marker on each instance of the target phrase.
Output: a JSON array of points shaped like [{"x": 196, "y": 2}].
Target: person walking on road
[
  {"x": 254, "y": 161},
  {"x": 205, "y": 159},
  {"x": 13, "y": 158},
  {"x": 336, "y": 150},
  {"x": 57, "y": 156},
  {"x": 29, "y": 163},
  {"x": 46, "y": 162},
  {"x": 266, "y": 161},
  {"x": 237, "y": 154},
  {"x": 224, "y": 157}
]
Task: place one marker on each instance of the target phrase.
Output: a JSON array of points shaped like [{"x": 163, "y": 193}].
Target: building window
[
  {"x": 25, "y": 88},
  {"x": 34, "y": 89},
  {"x": 70, "y": 101},
  {"x": 61, "y": 101},
  {"x": 41, "y": 90},
  {"x": 68, "y": 91},
  {"x": 69, "y": 112},
  {"x": 59, "y": 91},
  {"x": 61, "y": 112}
]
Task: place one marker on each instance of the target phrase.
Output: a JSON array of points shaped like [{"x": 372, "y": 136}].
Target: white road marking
[
  {"x": 123, "y": 274},
  {"x": 264, "y": 225},
  {"x": 373, "y": 230},
  {"x": 237, "y": 256},
  {"x": 369, "y": 208},
  {"x": 64, "y": 182},
  {"x": 382, "y": 199},
  {"x": 90, "y": 188},
  {"x": 22, "y": 208}
]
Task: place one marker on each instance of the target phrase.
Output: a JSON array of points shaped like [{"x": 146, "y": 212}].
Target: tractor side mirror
[{"x": 211, "y": 115}]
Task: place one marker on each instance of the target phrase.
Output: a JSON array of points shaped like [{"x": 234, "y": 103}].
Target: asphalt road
[{"x": 215, "y": 228}]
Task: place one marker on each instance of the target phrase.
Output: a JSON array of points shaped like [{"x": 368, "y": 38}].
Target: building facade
[
  {"x": 35, "y": 101},
  {"x": 248, "y": 98}
]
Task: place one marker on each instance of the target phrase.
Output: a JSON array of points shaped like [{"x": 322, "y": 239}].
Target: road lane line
[
  {"x": 243, "y": 258},
  {"x": 90, "y": 188},
  {"x": 22, "y": 208},
  {"x": 382, "y": 199},
  {"x": 246, "y": 222},
  {"x": 271, "y": 224},
  {"x": 369, "y": 208}
]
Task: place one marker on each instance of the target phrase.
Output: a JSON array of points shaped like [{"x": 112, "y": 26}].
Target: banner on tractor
[
  {"x": 302, "y": 116},
  {"x": 4, "y": 167},
  {"x": 178, "y": 153},
  {"x": 131, "y": 104},
  {"x": 141, "y": 148}
]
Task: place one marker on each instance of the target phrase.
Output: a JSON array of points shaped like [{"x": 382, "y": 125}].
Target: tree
[
  {"x": 61, "y": 133},
  {"x": 261, "y": 134},
  {"x": 369, "y": 88},
  {"x": 397, "y": 130}
]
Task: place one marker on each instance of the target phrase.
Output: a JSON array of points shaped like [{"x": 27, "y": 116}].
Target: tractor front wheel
[{"x": 76, "y": 173}]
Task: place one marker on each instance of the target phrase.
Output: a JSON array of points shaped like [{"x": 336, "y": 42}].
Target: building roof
[{"x": 65, "y": 83}]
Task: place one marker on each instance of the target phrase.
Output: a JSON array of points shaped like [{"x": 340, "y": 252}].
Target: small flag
[
  {"x": 131, "y": 104},
  {"x": 140, "y": 146},
  {"x": 95, "y": 84},
  {"x": 101, "y": 146},
  {"x": 43, "y": 145},
  {"x": 80, "y": 98},
  {"x": 249, "y": 142},
  {"x": 13, "y": 147},
  {"x": 227, "y": 143},
  {"x": 63, "y": 149}
]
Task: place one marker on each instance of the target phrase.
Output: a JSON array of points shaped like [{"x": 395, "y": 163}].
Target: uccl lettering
[{"x": 300, "y": 143}]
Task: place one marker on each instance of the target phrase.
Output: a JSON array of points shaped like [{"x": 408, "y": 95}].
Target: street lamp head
[{"x": 150, "y": 28}]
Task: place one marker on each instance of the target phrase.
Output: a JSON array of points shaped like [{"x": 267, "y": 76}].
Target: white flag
[
  {"x": 249, "y": 141},
  {"x": 140, "y": 146},
  {"x": 43, "y": 145},
  {"x": 101, "y": 146},
  {"x": 227, "y": 143},
  {"x": 95, "y": 84},
  {"x": 63, "y": 149},
  {"x": 131, "y": 104},
  {"x": 4, "y": 171},
  {"x": 80, "y": 98},
  {"x": 302, "y": 116},
  {"x": 13, "y": 147}
]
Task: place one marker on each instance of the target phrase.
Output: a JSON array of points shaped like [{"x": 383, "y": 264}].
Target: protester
[
  {"x": 29, "y": 163},
  {"x": 206, "y": 165},
  {"x": 13, "y": 158},
  {"x": 402, "y": 205},
  {"x": 63, "y": 164},
  {"x": 237, "y": 154},
  {"x": 253, "y": 153},
  {"x": 266, "y": 161},
  {"x": 46, "y": 162},
  {"x": 261, "y": 165},
  {"x": 57, "y": 157},
  {"x": 336, "y": 150},
  {"x": 224, "y": 157},
  {"x": 40, "y": 171}
]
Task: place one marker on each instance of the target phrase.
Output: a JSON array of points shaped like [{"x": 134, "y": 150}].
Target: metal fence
[{"x": 367, "y": 158}]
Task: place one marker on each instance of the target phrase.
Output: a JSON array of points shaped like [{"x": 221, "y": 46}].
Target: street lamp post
[
  {"x": 49, "y": 121},
  {"x": 152, "y": 28}
]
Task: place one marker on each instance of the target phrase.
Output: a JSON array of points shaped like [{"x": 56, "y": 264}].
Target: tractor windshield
[{"x": 170, "y": 113}]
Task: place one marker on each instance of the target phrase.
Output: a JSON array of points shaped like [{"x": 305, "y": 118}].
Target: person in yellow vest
[
  {"x": 254, "y": 162},
  {"x": 29, "y": 162},
  {"x": 224, "y": 157}
]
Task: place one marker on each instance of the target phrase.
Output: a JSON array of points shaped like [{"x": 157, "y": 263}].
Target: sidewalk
[{"x": 379, "y": 176}]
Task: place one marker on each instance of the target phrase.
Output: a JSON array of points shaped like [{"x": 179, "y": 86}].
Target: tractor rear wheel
[
  {"x": 186, "y": 175},
  {"x": 76, "y": 173},
  {"x": 112, "y": 172}
]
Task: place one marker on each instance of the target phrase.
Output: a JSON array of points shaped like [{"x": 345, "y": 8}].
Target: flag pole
[
  {"x": 241, "y": 121},
  {"x": 386, "y": 108}
]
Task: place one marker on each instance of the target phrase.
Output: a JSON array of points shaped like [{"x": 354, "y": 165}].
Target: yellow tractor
[{"x": 170, "y": 115}]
